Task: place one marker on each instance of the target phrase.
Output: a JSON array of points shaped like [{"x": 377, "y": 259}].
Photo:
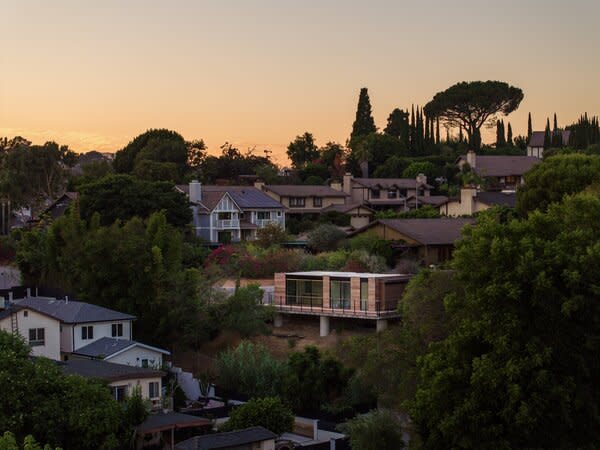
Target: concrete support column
[
  {"x": 381, "y": 324},
  {"x": 278, "y": 321},
  {"x": 324, "y": 327}
]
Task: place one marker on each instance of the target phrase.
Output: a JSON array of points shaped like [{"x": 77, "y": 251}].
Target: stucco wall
[
  {"x": 101, "y": 329},
  {"x": 144, "y": 384},
  {"x": 135, "y": 355},
  {"x": 33, "y": 319}
]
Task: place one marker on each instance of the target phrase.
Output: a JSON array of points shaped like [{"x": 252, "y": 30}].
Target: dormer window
[
  {"x": 374, "y": 193},
  {"x": 392, "y": 193}
]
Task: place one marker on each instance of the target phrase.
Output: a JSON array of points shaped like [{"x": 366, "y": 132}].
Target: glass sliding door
[
  {"x": 364, "y": 295},
  {"x": 304, "y": 292},
  {"x": 340, "y": 294}
]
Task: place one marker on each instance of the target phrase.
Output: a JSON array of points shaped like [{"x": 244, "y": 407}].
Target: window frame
[
  {"x": 116, "y": 330},
  {"x": 297, "y": 202},
  {"x": 317, "y": 202},
  {"x": 87, "y": 332},
  {"x": 39, "y": 337},
  {"x": 153, "y": 386}
]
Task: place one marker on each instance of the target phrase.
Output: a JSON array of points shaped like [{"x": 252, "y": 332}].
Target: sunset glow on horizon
[{"x": 94, "y": 75}]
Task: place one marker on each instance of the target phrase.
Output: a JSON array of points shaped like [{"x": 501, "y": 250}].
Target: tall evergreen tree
[
  {"x": 529, "y": 127},
  {"x": 413, "y": 131},
  {"x": 364, "y": 123},
  {"x": 547, "y": 134},
  {"x": 509, "y": 135},
  {"x": 500, "y": 139},
  {"x": 437, "y": 130}
]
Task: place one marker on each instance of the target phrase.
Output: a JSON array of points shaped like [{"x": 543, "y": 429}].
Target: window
[
  {"x": 304, "y": 291},
  {"x": 278, "y": 213},
  {"x": 87, "y": 332},
  {"x": 263, "y": 215},
  {"x": 144, "y": 363},
  {"x": 119, "y": 393},
  {"x": 37, "y": 337},
  {"x": 25, "y": 313},
  {"x": 153, "y": 389},
  {"x": 392, "y": 193},
  {"x": 374, "y": 193},
  {"x": 317, "y": 202},
  {"x": 297, "y": 202},
  {"x": 364, "y": 295},
  {"x": 117, "y": 330},
  {"x": 340, "y": 294},
  {"x": 224, "y": 216}
]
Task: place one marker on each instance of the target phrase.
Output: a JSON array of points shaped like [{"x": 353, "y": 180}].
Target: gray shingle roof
[
  {"x": 386, "y": 183},
  {"x": 498, "y": 198},
  {"x": 226, "y": 440},
  {"x": 537, "y": 139},
  {"x": 72, "y": 311},
  {"x": 502, "y": 165},
  {"x": 107, "y": 346},
  {"x": 443, "y": 231},
  {"x": 94, "y": 368},
  {"x": 165, "y": 421},
  {"x": 246, "y": 196},
  {"x": 294, "y": 190}
]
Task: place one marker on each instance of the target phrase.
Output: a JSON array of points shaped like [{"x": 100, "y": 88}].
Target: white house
[
  {"x": 122, "y": 351},
  {"x": 40, "y": 331}
]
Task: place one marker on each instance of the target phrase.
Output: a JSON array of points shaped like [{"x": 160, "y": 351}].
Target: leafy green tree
[
  {"x": 555, "y": 177},
  {"x": 9, "y": 442},
  {"x": 364, "y": 123},
  {"x": 374, "y": 245},
  {"x": 134, "y": 267},
  {"x": 518, "y": 369},
  {"x": 471, "y": 105},
  {"x": 398, "y": 126},
  {"x": 34, "y": 389},
  {"x": 159, "y": 146},
  {"x": 270, "y": 235},
  {"x": 423, "y": 212},
  {"x": 325, "y": 237},
  {"x": 303, "y": 150},
  {"x": 313, "y": 380},
  {"x": 245, "y": 313},
  {"x": 392, "y": 166},
  {"x": 417, "y": 167},
  {"x": 122, "y": 197},
  {"x": 376, "y": 430},
  {"x": 250, "y": 369},
  {"x": 268, "y": 412}
]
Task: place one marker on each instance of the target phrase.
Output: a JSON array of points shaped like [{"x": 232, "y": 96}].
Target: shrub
[
  {"x": 374, "y": 245},
  {"x": 268, "y": 412},
  {"x": 362, "y": 261},
  {"x": 325, "y": 237},
  {"x": 376, "y": 430},
  {"x": 270, "y": 235}
]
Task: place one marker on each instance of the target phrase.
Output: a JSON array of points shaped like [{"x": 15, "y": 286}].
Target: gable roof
[
  {"x": 226, "y": 440},
  {"x": 72, "y": 311},
  {"x": 502, "y": 165},
  {"x": 537, "y": 139},
  {"x": 245, "y": 196},
  {"x": 434, "y": 200},
  {"x": 442, "y": 231},
  {"x": 94, "y": 368},
  {"x": 107, "y": 347},
  {"x": 386, "y": 183},
  {"x": 498, "y": 198},
  {"x": 347, "y": 208},
  {"x": 294, "y": 190}
]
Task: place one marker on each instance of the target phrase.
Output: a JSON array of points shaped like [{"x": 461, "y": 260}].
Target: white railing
[
  {"x": 231, "y": 223},
  {"x": 265, "y": 222}
]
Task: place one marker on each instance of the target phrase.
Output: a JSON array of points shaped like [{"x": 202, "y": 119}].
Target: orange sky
[{"x": 95, "y": 74}]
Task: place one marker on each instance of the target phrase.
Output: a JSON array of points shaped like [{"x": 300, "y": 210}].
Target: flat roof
[{"x": 322, "y": 273}]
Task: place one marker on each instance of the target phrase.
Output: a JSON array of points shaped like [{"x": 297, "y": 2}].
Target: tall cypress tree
[
  {"x": 413, "y": 131},
  {"x": 509, "y": 136},
  {"x": 437, "y": 130},
  {"x": 529, "y": 127},
  {"x": 364, "y": 123},
  {"x": 500, "y": 140},
  {"x": 547, "y": 134}
]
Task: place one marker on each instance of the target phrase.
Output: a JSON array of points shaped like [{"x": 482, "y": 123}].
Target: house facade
[
  {"x": 423, "y": 241},
  {"x": 501, "y": 172},
  {"x": 231, "y": 213},
  {"x": 367, "y": 296},
  {"x": 386, "y": 193},
  {"x": 304, "y": 199},
  {"x": 472, "y": 201},
  {"x": 123, "y": 351}
]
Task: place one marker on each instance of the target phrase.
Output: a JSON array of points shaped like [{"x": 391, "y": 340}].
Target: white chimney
[
  {"x": 467, "y": 199},
  {"x": 66, "y": 299},
  {"x": 258, "y": 184},
  {"x": 471, "y": 159},
  {"x": 347, "y": 183},
  {"x": 195, "y": 191}
]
